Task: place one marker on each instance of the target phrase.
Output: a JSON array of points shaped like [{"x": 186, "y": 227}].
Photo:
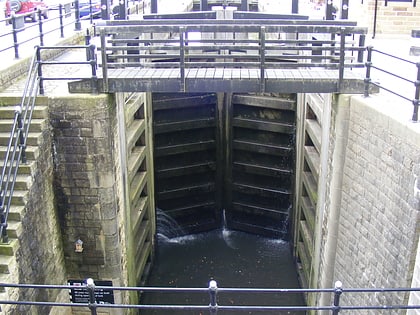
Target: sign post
[{"x": 81, "y": 295}]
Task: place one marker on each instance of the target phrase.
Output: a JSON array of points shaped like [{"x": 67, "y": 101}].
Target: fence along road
[{"x": 18, "y": 38}]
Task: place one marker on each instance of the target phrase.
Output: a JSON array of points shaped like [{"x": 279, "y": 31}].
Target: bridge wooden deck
[{"x": 226, "y": 80}]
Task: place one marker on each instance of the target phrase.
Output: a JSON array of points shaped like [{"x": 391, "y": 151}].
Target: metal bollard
[{"x": 213, "y": 297}]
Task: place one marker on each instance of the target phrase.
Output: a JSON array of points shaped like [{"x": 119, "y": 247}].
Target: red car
[{"x": 27, "y": 6}]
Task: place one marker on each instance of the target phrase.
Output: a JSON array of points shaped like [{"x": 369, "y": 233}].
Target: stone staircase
[{"x": 8, "y": 263}]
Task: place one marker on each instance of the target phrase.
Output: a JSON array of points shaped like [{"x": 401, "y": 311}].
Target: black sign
[{"x": 102, "y": 296}]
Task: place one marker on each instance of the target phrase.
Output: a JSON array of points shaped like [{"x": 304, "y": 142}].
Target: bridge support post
[
  {"x": 368, "y": 65},
  {"x": 204, "y": 6},
  {"x": 153, "y": 6}
]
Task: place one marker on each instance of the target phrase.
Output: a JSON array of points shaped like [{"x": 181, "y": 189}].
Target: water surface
[{"x": 234, "y": 259}]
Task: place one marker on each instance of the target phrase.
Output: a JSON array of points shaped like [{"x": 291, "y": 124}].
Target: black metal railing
[
  {"x": 89, "y": 59},
  {"x": 64, "y": 18},
  {"x": 15, "y": 151},
  {"x": 259, "y": 44},
  {"x": 414, "y": 82},
  {"x": 91, "y": 297},
  {"x": 13, "y": 37}
]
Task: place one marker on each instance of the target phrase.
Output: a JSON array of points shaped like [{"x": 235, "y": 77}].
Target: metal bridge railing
[
  {"x": 260, "y": 45},
  {"x": 15, "y": 151},
  {"x": 90, "y": 60},
  {"x": 393, "y": 89},
  {"x": 91, "y": 296}
]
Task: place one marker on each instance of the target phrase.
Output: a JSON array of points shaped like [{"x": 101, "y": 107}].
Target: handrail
[
  {"x": 88, "y": 298},
  {"x": 416, "y": 82},
  {"x": 15, "y": 152},
  {"x": 91, "y": 61}
]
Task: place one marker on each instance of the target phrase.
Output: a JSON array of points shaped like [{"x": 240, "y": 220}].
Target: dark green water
[{"x": 234, "y": 260}]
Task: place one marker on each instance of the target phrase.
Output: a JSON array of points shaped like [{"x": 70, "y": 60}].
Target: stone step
[
  {"x": 23, "y": 182},
  {"x": 24, "y": 168},
  {"x": 8, "y": 108},
  {"x": 37, "y": 124},
  {"x": 15, "y": 212},
  {"x": 19, "y": 197},
  {"x": 32, "y": 152},
  {"x": 10, "y": 248},
  {"x": 14, "y": 229},
  {"x": 5, "y": 263},
  {"x": 32, "y": 140}
]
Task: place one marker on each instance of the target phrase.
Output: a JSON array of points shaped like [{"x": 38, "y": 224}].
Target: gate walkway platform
[{"x": 225, "y": 80}]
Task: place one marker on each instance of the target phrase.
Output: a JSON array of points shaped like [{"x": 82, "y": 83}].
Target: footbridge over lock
[
  {"x": 224, "y": 102},
  {"x": 240, "y": 55}
]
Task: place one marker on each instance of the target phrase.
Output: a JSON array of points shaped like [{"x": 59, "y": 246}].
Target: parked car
[
  {"x": 85, "y": 5},
  {"x": 27, "y": 6}
]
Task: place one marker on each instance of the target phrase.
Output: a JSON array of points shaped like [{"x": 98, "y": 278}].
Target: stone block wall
[
  {"x": 85, "y": 130},
  {"x": 378, "y": 226}
]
